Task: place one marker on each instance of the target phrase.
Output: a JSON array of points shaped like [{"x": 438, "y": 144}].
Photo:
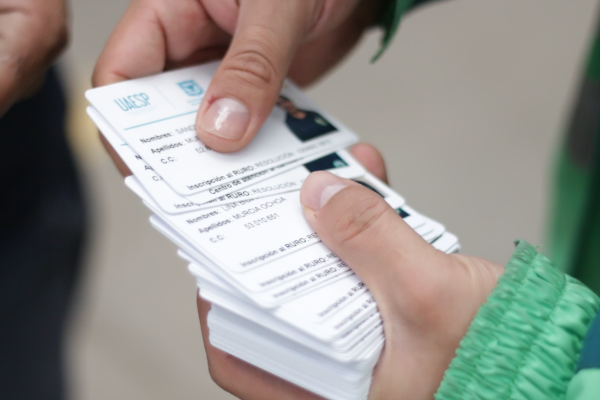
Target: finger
[
  {"x": 155, "y": 35},
  {"x": 247, "y": 83},
  {"x": 371, "y": 159},
  {"x": 365, "y": 232},
  {"x": 240, "y": 378}
]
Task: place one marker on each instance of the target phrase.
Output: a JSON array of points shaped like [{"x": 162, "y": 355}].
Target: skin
[
  {"x": 32, "y": 34},
  {"x": 427, "y": 298}
]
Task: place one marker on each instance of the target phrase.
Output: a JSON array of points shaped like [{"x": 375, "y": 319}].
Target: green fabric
[
  {"x": 389, "y": 20},
  {"x": 525, "y": 340},
  {"x": 585, "y": 385},
  {"x": 593, "y": 63},
  {"x": 586, "y": 256},
  {"x": 574, "y": 234},
  {"x": 567, "y": 206}
]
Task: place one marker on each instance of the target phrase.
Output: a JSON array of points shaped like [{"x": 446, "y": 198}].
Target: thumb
[
  {"x": 364, "y": 231},
  {"x": 248, "y": 81}
]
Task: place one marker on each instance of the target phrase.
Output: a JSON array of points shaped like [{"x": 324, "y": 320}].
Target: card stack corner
[{"x": 281, "y": 300}]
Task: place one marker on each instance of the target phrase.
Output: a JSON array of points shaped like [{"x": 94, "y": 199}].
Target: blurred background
[{"x": 467, "y": 105}]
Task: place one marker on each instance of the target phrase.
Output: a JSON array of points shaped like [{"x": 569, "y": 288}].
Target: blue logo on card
[
  {"x": 138, "y": 100},
  {"x": 191, "y": 88}
]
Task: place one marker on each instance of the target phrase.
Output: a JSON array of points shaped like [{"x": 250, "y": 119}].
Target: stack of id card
[{"x": 281, "y": 300}]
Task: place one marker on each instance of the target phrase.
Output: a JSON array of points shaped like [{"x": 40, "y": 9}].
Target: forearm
[{"x": 526, "y": 340}]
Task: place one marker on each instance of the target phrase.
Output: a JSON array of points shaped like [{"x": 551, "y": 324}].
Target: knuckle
[
  {"x": 57, "y": 45},
  {"x": 366, "y": 212},
  {"x": 63, "y": 37},
  {"x": 12, "y": 64},
  {"x": 252, "y": 64},
  {"x": 57, "y": 34}
]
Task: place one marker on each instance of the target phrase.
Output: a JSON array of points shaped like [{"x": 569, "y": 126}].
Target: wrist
[{"x": 424, "y": 326}]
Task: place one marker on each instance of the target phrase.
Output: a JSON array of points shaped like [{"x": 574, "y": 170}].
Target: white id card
[
  {"x": 353, "y": 354},
  {"x": 341, "y": 320},
  {"x": 241, "y": 236},
  {"x": 340, "y": 163},
  {"x": 156, "y": 116},
  {"x": 272, "y": 283},
  {"x": 282, "y": 278},
  {"x": 276, "y": 281}
]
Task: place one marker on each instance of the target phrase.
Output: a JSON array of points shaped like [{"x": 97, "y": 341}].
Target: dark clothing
[
  {"x": 41, "y": 236},
  {"x": 590, "y": 354},
  {"x": 311, "y": 126}
]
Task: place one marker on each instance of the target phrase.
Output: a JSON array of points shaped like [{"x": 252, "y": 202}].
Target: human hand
[
  {"x": 263, "y": 41},
  {"x": 32, "y": 35},
  {"x": 427, "y": 299}
]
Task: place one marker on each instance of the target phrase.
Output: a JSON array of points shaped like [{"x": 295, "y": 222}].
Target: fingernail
[
  {"x": 227, "y": 118},
  {"x": 319, "y": 188}
]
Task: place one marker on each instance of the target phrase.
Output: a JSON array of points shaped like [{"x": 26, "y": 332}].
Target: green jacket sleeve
[
  {"x": 525, "y": 341},
  {"x": 585, "y": 385}
]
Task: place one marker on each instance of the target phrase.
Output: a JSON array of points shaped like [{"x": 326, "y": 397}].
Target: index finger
[{"x": 154, "y": 35}]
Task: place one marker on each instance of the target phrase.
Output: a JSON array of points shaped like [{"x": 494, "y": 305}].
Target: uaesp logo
[
  {"x": 191, "y": 87},
  {"x": 133, "y": 102}
]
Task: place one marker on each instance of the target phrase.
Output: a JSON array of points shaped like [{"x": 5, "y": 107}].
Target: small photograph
[
  {"x": 330, "y": 161},
  {"x": 306, "y": 125}
]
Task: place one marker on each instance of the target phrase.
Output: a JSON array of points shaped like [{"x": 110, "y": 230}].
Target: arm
[{"x": 526, "y": 339}]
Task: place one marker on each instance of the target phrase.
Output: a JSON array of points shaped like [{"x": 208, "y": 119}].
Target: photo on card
[
  {"x": 304, "y": 124},
  {"x": 330, "y": 161}
]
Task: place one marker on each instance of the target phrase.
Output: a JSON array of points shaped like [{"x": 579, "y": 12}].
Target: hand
[
  {"x": 32, "y": 35},
  {"x": 262, "y": 40},
  {"x": 426, "y": 298}
]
